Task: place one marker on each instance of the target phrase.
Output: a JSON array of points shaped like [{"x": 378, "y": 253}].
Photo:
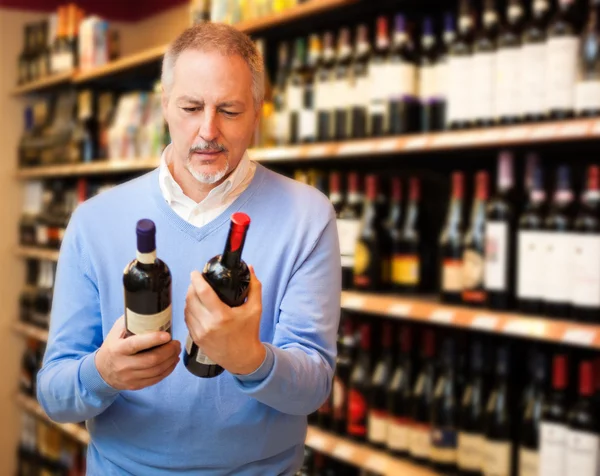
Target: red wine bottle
[
  {"x": 360, "y": 84},
  {"x": 378, "y": 415},
  {"x": 393, "y": 231},
  {"x": 229, "y": 276},
  {"x": 451, "y": 244},
  {"x": 358, "y": 403},
  {"x": 147, "y": 284},
  {"x": 406, "y": 258},
  {"x": 341, "y": 379},
  {"x": 342, "y": 86},
  {"x": 378, "y": 69}
]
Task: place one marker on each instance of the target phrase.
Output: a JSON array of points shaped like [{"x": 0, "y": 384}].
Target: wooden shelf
[
  {"x": 37, "y": 253},
  {"x": 362, "y": 456},
  {"x": 74, "y": 431},
  {"x": 432, "y": 312},
  {"x": 42, "y": 84},
  {"x": 31, "y": 331},
  {"x": 100, "y": 167}
]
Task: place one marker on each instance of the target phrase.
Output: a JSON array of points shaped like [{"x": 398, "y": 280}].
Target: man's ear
[{"x": 164, "y": 101}]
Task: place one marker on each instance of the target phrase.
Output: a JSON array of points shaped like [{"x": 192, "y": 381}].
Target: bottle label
[
  {"x": 41, "y": 234},
  {"x": 583, "y": 453},
  {"x": 428, "y": 87},
  {"x": 529, "y": 462},
  {"x": 323, "y": 91},
  {"x": 144, "y": 323},
  {"x": 357, "y": 413},
  {"x": 561, "y": 69},
  {"x": 484, "y": 67},
  {"x": 497, "y": 458},
  {"x": 441, "y": 71},
  {"x": 398, "y": 434},
  {"x": 294, "y": 98},
  {"x": 553, "y": 439},
  {"x": 420, "y": 441},
  {"x": 282, "y": 127},
  {"x": 378, "y": 427},
  {"x": 339, "y": 398},
  {"x": 533, "y": 78},
  {"x": 443, "y": 445},
  {"x": 459, "y": 88},
  {"x": 452, "y": 275},
  {"x": 496, "y": 256},
  {"x": 200, "y": 357},
  {"x": 401, "y": 80},
  {"x": 587, "y": 96},
  {"x": 472, "y": 278},
  {"x": 308, "y": 124},
  {"x": 361, "y": 92},
  {"x": 508, "y": 70},
  {"x": 470, "y": 448},
  {"x": 348, "y": 232},
  {"x": 530, "y": 262},
  {"x": 405, "y": 270},
  {"x": 362, "y": 260},
  {"x": 378, "y": 95},
  {"x": 558, "y": 262},
  {"x": 586, "y": 270}
]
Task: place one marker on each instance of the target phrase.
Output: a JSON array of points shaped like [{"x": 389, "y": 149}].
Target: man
[{"x": 147, "y": 415}]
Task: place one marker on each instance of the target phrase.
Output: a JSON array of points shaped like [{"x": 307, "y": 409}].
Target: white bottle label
[
  {"x": 497, "y": 458},
  {"x": 428, "y": 88},
  {"x": 282, "y": 126},
  {"x": 586, "y": 270},
  {"x": 553, "y": 438},
  {"x": 558, "y": 267},
  {"x": 401, "y": 79},
  {"x": 442, "y": 75},
  {"x": 378, "y": 84},
  {"x": 294, "y": 98},
  {"x": 200, "y": 357},
  {"x": 587, "y": 95},
  {"x": 308, "y": 124},
  {"x": 322, "y": 92},
  {"x": 528, "y": 462},
  {"x": 533, "y": 78},
  {"x": 341, "y": 91},
  {"x": 583, "y": 453},
  {"x": 420, "y": 442},
  {"x": 144, "y": 323},
  {"x": 362, "y": 93},
  {"x": 530, "y": 264},
  {"x": 507, "y": 82},
  {"x": 459, "y": 88},
  {"x": 398, "y": 434},
  {"x": 484, "y": 65},
  {"x": 496, "y": 256},
  {"x": 348, "y": 231},
  {"x": 561, "y": 69},
  {"x": 378, "y": 427},
  {"x": 470, "y": 447}
]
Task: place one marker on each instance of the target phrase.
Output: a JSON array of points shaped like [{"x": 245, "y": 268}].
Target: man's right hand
[{"x": 122, "y": 366}]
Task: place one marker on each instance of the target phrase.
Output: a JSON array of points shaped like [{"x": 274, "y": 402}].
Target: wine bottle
[
  {"x": 499, "y": 239},
  {"x": 586, "y": 245},
  {"x": 422, "y": 398},
  {"x": 561, "y": 61},
  {"x": 147, "y": 285},
  {"x": 507, "y": 106},
  {"x": 342, "y": 86},
  {"x": 451, "y": 244},
  {"x": 587, "y": 92},
  {"x": 484, "y": 67},
  {"x": 393, "y": 232},
  {"x": 324, "y": 90},
  {"x": 558, "y": 242},
  {"x": 308, "y": 114},
  {"x": 85, "y": 133},
  {"x": 379, "y": 82},
  {"x": 553, "y": 426},
  {"x": 471, "y": 440},
  {"x": 27, "y": 297},
  {"x": 29, "y": 369},
  {"x": 294, "y": 90},
  {"x": 530, "y": 239},
  {"x": 43, "y": 299},
  {"x": 229, "y": 276},
  {"x": 444, "y": 413},
  {"x": 335, "y": 192},
  {"x": 378, "y": 411},
  {"x": 358, "y": 403},
  {"x": 443, "y": 70},
  {"x": 430, "y": 94},
  {"x": 406, "y": 248},
  {"x": 368, "y": 268},
  {"x": 359, "y": 94},
  {"x": 583, "y": 439},
  {"x": 474, "y": 247},
  {"x": 349, "y": 227},
  {"x": 341, "y": 379},
  {"x": 399, "y": 396},
  {"x": 498, "y": 451}
]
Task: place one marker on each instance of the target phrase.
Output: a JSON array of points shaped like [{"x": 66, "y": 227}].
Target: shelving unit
[
  {"x": 37, "y": 253},
  {"x": 74, "y": 431},
  {"x": 101, "y": 167},
  {"x": 362, "y": 456},
  {"x": 33, "y": 332},
  {"x": 38, "y": 86}
]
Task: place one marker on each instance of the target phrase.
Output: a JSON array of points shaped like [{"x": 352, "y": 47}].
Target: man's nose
[{"x": 209, "y": 130}]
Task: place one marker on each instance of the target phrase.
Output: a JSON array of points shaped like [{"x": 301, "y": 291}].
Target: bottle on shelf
[
  {"x": 324, "y": 90},
  {"x": 28, "y": 235},
  {"x": 85, "y": 134},
  {"x": 106, "y": 112},
  {"x": 553, "y": 426},
  {"x": 359, "y": 92},
  {"x": 382, "y": 372},
  {"x": 586, "y": 247},
  {"x": 473, "y": 266},
  {"x": 349, "y": 227},
  {"x": 406, "y": 247},
  {"x": 393, "y": 233},
  {"x": 40, "y": 316},
  {"x": 499, "y": 239},
  {"x": 341, "y": 379},
  {"x": 59, "y": 59},
  {"x": 308, "y": 114},
  {"x": 451, "y": 244},
  {"x": 295, "y": 90},
  {"x": 587, "y": 92},
  {"x": 342, "y": 86},
  {"x": 358, "y": 396},
  {"x": 28, "y": 295},
  {"x": 26, "y": 56},
  {"x": 430, "y": 91},
  {"x": 379, "y": 82},
  {"x": 29, "y": 369},
  {"x": 229, "y": 276}
]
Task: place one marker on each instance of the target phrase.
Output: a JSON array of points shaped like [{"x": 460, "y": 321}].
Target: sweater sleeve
[
  {"x": 297, "y": 373},
  {"x": 69, "y": 386}
]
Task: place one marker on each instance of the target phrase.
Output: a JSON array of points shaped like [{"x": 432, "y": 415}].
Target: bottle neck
[
  {"x": 146, "y": 258},
  {"x": 232, "y": 254}
]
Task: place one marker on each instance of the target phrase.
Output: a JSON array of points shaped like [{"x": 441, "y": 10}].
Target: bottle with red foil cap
[
  {"x": 583, "y": 439},
  {"x": 348, "y": 225},
  {"x": 360, "y": 379},
  {"x": 586, "y": 247},
  {"x": 378, "y": 76},
  {"x": 347, "y": 345},
  {"x": 229, "y": 276}
]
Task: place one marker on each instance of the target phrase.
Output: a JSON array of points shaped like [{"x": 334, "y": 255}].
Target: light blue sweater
[{"x": 254, "y": 425}]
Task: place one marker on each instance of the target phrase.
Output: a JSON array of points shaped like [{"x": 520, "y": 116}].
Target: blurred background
[{"x": 458, "y": 143}]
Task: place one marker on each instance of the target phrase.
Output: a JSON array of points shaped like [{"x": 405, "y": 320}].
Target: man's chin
[{"x": 208, "y": 175}]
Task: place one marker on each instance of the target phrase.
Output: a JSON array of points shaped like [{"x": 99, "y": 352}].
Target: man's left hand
[{"x": 227, "y": 335}]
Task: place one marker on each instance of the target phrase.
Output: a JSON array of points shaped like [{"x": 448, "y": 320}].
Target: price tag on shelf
[
  {"x": 577, "y": 129},
  {"x": 526, "y": 328},
  {"x": 442, "y": 316},
  {"x": 544, "y": 132},
  {"x": 484, "y": 322},
  {"x": 356, "y": 148},
  {"x": 399, "y": 309},
  {"x": 344, "y": 451},
  {"x": 516, "y": 133},
  {"x": 377, "y": 463},
  {"x": 388, "y": 145},
  {"x": 579, "y": 336},
  {"x": 317, "y": 442},
  {"x": 416, "y": 143},
  {"x": 353, "y": 302}
]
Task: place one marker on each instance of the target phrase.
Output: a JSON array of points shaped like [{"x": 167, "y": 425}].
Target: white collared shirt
[{"x": 218, "y": 199}]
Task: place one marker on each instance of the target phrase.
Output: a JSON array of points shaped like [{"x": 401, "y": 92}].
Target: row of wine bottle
[{"x": 447, "y": 408}]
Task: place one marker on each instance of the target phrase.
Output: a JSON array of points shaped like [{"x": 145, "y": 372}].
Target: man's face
[{"x": 210, "y": 112}]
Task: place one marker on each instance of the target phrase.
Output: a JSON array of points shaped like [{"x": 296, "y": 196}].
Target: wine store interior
[{"x": 457, "y": 142}]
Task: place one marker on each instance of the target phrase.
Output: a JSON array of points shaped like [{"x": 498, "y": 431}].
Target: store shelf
[
  {"x": 429, "y": 311},
  {"x": 42, "y": 84},
  {"x": 100, "y": 167},
  {"x": 30, "y": 331},
  {"x": 361, "y": 455},
  {"x": 37, "y": 253},
  {"x": 74, "y": 431}
]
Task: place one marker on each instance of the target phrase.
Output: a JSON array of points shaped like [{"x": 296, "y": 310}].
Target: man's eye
[
  {"x": 191, "y": 109},
  {"x": 230, "y": 114}
]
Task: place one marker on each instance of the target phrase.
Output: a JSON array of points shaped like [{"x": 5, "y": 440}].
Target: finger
[
  {"x": 207, "y": 296},
  {"x": 148, "y": 382},
  {"x": 255, "y": 288},
  {"x": 194, "y": 324},
  {"x": 136, "y": 343},
  {"x": 156, "y": 370},
  {"x": 155, "y": 357}
]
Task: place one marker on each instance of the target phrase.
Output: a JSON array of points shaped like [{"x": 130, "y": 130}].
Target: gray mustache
[{"x": 209, "y": 146}]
